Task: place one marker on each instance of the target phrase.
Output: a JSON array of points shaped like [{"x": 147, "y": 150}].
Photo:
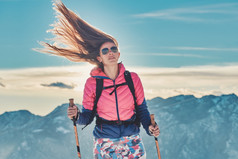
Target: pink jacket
[{"x": 119, "y": 105}]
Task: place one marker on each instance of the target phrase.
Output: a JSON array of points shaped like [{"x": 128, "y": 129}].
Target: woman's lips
[{"x": 111, "y": 58}]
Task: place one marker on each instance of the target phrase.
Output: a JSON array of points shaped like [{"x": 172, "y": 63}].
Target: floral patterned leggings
[{"x": 127, "y": 147}]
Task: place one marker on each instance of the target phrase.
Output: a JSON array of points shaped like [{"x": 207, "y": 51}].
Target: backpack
[{"x": 99, "y": 89}]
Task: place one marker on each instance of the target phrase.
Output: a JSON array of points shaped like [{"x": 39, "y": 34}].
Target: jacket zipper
[
  {"x": 116, "y": 100},
  {"x": 117, "y": 105}
]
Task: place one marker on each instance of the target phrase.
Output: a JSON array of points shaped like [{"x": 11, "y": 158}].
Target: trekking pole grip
[
  {"x": 71, "y": 104},
  {"x": 152, "y": 118}
]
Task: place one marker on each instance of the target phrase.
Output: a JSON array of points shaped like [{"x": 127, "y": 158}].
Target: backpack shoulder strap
[
  {"x": 130, "y": 84},
  {"x": 99, "y": 88}
]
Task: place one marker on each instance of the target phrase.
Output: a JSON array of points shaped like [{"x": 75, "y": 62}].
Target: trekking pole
[
  {"x": 152, "y": 117},
  {"x": 71, "y": 104}
]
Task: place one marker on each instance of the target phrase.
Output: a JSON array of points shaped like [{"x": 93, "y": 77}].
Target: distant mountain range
[{"x": 191, "y": 128}]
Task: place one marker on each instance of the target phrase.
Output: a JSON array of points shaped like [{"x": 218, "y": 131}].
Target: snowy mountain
[{"x": 191, "y": 128}]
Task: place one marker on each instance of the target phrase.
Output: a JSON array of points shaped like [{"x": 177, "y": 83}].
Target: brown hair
[{"x": 74, "y": 38}]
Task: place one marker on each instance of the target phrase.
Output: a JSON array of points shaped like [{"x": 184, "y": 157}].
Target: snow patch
[
  {"x": 59, "y": 119},
  {"x": 24, "y": 145},
  {"x": 37, "y": 130},
  {"x": 62, "y": 130},
  {"x": 215, "y": 100},
  {"x": 7, "y": 150},
  {"x": 232, "y": 154}
]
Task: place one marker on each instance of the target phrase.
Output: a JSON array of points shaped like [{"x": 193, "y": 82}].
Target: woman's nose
[{"x": 110, "y": 51}]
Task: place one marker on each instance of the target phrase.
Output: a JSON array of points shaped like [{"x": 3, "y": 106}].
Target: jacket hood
[{"x": 97, "y": 72}]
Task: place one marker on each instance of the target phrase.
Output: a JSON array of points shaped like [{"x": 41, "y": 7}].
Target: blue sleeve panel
[
  {"x": 85, "y": 117},
  {"x": 144, "y": 116}
]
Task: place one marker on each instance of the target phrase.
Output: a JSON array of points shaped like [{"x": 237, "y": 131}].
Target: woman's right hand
[{"x": 72, "y": 112}]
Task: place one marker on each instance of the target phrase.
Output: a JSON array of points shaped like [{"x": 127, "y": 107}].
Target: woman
[{"x": 116, "y": 134}]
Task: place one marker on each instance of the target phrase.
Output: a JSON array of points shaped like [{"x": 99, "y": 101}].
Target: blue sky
[
  {"x": 150, "y": 33},
  {"x": 176, "y": 47}
]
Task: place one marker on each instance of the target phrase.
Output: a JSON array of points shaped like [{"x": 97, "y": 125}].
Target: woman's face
[{"x": 109, "y": 54}]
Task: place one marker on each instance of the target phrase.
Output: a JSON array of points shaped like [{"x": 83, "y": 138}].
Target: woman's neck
[{"x": 111, "y": 71}]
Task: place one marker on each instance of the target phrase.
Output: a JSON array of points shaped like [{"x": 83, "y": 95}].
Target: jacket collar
[{"x": 98, "y": 73}]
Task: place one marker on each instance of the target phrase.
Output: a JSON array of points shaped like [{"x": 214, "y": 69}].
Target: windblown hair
[{"x": 74, "y": 38}]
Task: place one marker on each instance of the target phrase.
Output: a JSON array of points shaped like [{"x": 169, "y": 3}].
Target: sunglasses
[{"x": 106, "y": 50}]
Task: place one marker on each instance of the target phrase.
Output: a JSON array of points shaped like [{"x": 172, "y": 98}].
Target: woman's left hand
[{"x": 154, "y": 130}]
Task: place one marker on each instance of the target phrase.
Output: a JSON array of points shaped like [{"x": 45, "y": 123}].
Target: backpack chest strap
[{"x": 115, "y": 87}]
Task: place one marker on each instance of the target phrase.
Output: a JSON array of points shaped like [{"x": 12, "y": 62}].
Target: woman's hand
[
  {"x": 154, "y": 130},
  {"x": 72, "y": 112}
]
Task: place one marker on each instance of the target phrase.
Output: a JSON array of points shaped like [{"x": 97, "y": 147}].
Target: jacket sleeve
[
  {"x": 144, "y": 116},
  {"x": 142, "y": 109},
  {"x": 139, "y": 91},
  {"x": 86, "y": 116}
]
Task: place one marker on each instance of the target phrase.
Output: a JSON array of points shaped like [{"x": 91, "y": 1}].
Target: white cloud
[
  {"x": 33, "y": 78},
  {"x": 23, "y": 88},
  {"x": 197, "y": 14},
  {"x": 202, "y": 48},
  {"x": 196, "y": 80},
  {"x": 2, "y": 85},
  {"x": 169, "y": 54}
]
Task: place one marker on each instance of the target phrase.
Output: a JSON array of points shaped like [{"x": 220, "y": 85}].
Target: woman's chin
[{"x": 111, "y": 63}]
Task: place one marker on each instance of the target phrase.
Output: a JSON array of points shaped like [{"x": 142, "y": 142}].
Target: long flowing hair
[{"x": 74, "y": 39}]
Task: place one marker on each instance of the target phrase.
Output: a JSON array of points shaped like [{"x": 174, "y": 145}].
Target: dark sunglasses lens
[
  {"x": 105, "y": 51},
  {"x": 114, "y": 49}
]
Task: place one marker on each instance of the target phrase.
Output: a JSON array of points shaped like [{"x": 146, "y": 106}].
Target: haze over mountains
[{"x": 191, "y": 128}]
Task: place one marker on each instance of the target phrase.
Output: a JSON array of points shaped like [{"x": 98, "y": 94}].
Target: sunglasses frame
[{"x": 108, "y": 49}]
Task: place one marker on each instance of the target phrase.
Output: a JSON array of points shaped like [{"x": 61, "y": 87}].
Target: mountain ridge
[
  {"x": 190, "y": 128},
  {"x": 153, "y": 99}
]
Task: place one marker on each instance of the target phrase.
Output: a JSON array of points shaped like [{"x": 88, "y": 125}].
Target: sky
[{"x": 176, "y": 47}]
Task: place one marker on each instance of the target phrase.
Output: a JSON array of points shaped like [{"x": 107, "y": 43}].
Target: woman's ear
[{"x": 99, "y": 58}]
